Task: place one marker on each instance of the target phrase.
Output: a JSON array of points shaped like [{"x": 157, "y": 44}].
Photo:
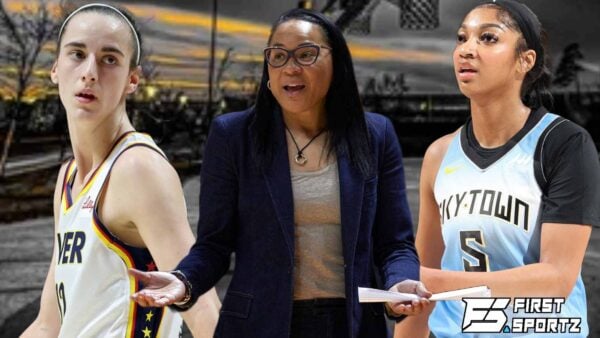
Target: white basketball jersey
[
  {"x": 93, "y": 287},
  {"x": 489, "y": 220}
]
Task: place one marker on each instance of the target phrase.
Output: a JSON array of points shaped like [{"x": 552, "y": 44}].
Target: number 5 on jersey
[{"x": 467, "y": 239}]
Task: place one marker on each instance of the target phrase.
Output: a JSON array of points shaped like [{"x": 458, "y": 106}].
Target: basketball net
[{"x": 419, "y": 14}]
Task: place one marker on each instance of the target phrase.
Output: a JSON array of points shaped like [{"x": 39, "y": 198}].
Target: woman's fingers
[
  {"x": 141, "y": 299},
  {"x": 413, "y": 308},
  {"x": 419, "y": 305},
  {"x": 402, "y": 309},
  {"x": 160, "y": 288},
  {"x": 422, "y": 290},
  {"x": 152, "y": 300},
  {"x": 150, "y": 297}
]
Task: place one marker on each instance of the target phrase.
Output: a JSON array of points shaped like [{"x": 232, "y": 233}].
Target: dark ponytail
[{"x": 535, "y": 91}]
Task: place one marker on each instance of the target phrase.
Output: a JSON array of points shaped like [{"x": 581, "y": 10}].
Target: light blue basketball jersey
[{"x": 489, "y": 220}]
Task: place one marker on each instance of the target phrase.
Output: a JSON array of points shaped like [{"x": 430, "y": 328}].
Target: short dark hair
[
  {"x": 111, "y": 12},
  {"x": 535, "y": 91},
  {"x": 348, "y": 132}
]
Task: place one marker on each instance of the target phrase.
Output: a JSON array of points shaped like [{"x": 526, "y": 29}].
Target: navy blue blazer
[{"x": 250, "y": 211}]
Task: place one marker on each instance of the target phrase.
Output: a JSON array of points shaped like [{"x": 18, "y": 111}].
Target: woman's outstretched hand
[{"x": 160, "y": 288}]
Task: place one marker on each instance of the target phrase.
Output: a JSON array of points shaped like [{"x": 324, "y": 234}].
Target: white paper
[
  {"x": 477, "y": 291},
  {"x": 367, "y": 295}
]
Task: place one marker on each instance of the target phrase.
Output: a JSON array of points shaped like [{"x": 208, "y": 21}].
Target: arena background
[{"x": 405, "y": 74}]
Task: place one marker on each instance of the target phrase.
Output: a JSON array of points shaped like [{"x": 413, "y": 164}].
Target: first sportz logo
[{"x": 487, "y": 315}]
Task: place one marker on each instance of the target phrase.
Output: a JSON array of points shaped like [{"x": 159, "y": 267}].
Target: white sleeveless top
[{"x": 93, "y": 287}]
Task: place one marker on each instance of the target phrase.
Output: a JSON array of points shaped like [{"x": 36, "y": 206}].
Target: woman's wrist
[{"x": 187, "y": 297}]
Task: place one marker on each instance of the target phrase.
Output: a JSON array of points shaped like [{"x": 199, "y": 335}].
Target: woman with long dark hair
[
  {"x": 309, "y": 193},
  {"x": 508, "y": 200}
]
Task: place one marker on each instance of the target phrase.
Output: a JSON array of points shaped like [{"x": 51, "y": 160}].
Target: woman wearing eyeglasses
[{"x": 309, "y": 193}]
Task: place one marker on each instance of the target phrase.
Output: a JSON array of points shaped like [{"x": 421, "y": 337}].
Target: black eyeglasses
[{"x": 304, "y": 55}]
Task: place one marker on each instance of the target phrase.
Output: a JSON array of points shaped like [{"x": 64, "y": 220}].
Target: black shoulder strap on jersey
[{"x": 539, "y": 161}]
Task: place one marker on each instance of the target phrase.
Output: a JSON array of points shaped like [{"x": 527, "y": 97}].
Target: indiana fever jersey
[
  {"x": 92, "y": 285},
  {"x": 489, "y": 220}
]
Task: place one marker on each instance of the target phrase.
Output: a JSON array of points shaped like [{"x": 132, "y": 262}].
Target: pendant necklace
[{"x": 300, "y": 159}]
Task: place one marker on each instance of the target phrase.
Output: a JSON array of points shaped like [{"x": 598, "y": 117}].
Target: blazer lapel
[
  {"x": 279, "y": 184},
  {"x": 351, "y": 202}
]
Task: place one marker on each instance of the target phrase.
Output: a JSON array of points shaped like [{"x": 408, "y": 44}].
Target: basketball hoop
[{"x": 355, "y": 17}]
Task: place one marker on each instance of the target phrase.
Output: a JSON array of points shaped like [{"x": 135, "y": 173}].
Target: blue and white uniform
[{"x": 491, "y": 215}]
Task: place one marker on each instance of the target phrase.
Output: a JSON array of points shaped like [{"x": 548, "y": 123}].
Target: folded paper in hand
[{"x": 367, "y": 295}]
